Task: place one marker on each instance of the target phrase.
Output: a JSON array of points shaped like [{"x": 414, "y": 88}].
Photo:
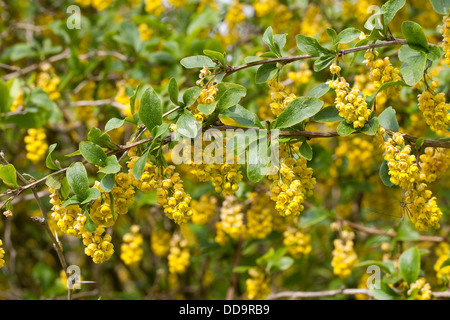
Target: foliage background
[{"x": 123, "y": 45}]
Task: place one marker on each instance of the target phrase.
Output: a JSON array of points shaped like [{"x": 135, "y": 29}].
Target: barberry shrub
[{"x": 99, "y": 104}]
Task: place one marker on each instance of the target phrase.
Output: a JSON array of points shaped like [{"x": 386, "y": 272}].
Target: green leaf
[
  {"x": 49, "y": 161},
  {"x": 347, "y": 35},
  {"x": 65, "y": 188},
  {"x": 265, "y": 72},
  {"x": 440, "y": 6},
  {"x": 244, "y": 117},
  {"x": 384, "y": 293},
  {"x": 150, "y": 109},
  {"x": 139, "y": 166},
  {"x": 435, "y": 53},
  {"x": 384, "y": 174},
  {"x": 344, "y": 129},
  {"x": 305, "y": 151},
  {"x": 241, "y": 269},
  {"x": 93, "y": 153},
  {"x": 310, "y": 46},
  {"x": 257, "y": 159},
  {"x": 207, "y": 109},
  {"x": 91, "y": 195},
  {"x": 215, "y": 55},
  {"x": 371, "y": 127},
  {"x": 323, "y": 62},
  {"x": 5, "y": 100},
  {"x": 413, "y": 67},
  {"x": 387, "y": 266},
  {"x": 173, "y": 91},
  {"x": 160, "y": 130},
  {"x": 390, "y": 9},
  {"x": 268, "y": 36},
  {"x": 446, "y": 263},
  {"x": 388, "y": 120},
  {"x": 407, "y": 232},
  {"x": 187, "y": 125},
  {"x": 371, "y": 99},
  {"x": 190, "y": 95},
  {"x": 332, "y": 34},
  {"x": 107, "y": 183},
  {"x": 230, "y": 98},
  {"x": 319, "y": 90},
  {"x": 72, "y": 201},
  {"x": 90, "y": 225},
  {"x": 415, "y": 37},
  {"x": 328, "y": 114},
  {"x": 78, "y": 180},
  {"x": 9, "y": 175},
  {"x": 409, "y": 265},
  {"x": 298, "y": 110},
  {"x": 112, "y": 165},
  {"x": 96, "y": 136},
  {"x": 113, "y": 123},
  {"x": 53, "y": 182},
  {"x": 137, "y": 95},
  {"x": 282, "y": 264},
  {"x": 199, "y": 61}
]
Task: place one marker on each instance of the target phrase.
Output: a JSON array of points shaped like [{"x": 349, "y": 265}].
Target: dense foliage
[{"x": 97, "y": 95}]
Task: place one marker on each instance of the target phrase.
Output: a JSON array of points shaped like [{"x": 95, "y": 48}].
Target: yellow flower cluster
[
  {"x": 424, "y": 290},
  {"x": 154, "y": 7},
  {"x": 131, "y": 248},
  {"x": 96, "y": 4},
  {"x": 433, "y": 164},
  {"x": 301, "y": 76},
  {"x": 351, "y": 104},
  {"x": 160, "y": 242},
  {"x": 179, "y": 256},
  {"x": 446, "y": 34},
  {"x": 293, "y": 183},
  {"x": 231, "y": 224},
  {"x": 402, "y": 164},
  {"x": 443, "y": 254},
  {"x": 177, "y": 3},
  {"x": 265, "y": 7},
  {"x": 86, "y": 113},
  {"x": 66, "y": 218},
  {"x": 361, "y": 154},
  {"x": 257, "y": 285},
  {"x": 36, "y": 145},
  {"x": 2, "y": 255},
  {"x": 207, "y": 96},
  {"x": 280, "y": 98},
  {"x": 344, "y": 256},
  {"x": 298, "y": 243},
  {"x": 405, "y": 172},
  {"x": 169, "y": 189},
  {"x": 101, "y": 211},
  {"x": 203, "y": 209},
  {"x": 145, "y": 32},
  {"x": 48, "y": 81},
  {"x": 17, "y": 102},
  {"x": 235, "y": 14},
  {"x": 72, "y": 222},
  {"x": 224, "y": 177},
  {"x": 97, "y": 244},
  {"x": 259, "y": 215},
  {"x": 435, "y": 109},
  {"x": 381, "y": 71}
]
